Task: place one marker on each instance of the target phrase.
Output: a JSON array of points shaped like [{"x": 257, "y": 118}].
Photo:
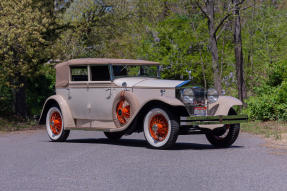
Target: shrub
[
  {"x": 269, "y": 104},
  {"x": 261, "y": 108}
]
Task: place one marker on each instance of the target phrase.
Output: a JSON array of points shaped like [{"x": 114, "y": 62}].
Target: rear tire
[
  {"x": 113, "y": 136},
  {"x": 160, "y": 128},
  {"x": 225, "y": 136},
  {"x": 55, "y": 125}
]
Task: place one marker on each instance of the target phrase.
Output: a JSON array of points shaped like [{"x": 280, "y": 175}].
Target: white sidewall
[
  {"x": 49, "y": 131},
  {"x": 147, "y": 120}
]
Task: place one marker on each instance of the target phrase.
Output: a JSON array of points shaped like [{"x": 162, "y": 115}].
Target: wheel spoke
[
  {"x": 158, "y": 127},
  {"x": 56, "y": 123},
  {"x": 123, "y": 111}
]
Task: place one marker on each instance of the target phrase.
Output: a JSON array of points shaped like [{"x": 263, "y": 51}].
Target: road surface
[{"x": 88, "y": 161}]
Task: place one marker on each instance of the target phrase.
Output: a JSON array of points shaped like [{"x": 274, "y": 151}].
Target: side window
[
  {"x": 120, "y": 71},
  {"x": 79, "y": 73},
  {"x": 100, "y": 73}
]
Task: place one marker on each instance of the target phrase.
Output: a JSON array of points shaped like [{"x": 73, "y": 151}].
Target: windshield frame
[{"x": 113, "y": 77}]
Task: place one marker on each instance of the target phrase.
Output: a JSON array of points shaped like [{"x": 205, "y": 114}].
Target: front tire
[
  {"x": 55, "y": 125},
  {"x": 160, "y": 128},
  {"x": 225, "y": 136}
]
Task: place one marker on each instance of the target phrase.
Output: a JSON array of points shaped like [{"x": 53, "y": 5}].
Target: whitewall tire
[
  {"x": 160, "y": 128},
  {"x": 55, "y": 125}
]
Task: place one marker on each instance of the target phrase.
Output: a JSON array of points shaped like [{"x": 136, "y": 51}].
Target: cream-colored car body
[
  {"x": 88, "y": 105},
  {"x": 66, "y": 111}
]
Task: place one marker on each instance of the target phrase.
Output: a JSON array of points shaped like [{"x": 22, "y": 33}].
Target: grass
[
  {"x": 12, "y": 124},
  {"x": 269, "y": 129}
]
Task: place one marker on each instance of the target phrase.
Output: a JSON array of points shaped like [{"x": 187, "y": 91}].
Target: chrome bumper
[{"x": 212, "y": 120}]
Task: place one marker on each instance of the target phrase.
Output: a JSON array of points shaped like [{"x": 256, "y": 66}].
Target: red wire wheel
[
  {"x": 56, "y": 123},
  {"x": 158, "y": 127},
  {"x": 124, "y": 107},
  {"x": 123, "y": 111}
]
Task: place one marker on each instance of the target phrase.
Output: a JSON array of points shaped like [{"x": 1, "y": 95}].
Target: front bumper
[{"x": 212, "y": 120}]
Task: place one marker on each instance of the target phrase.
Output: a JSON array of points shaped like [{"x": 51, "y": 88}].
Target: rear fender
[{"x": 65, "y": 109}]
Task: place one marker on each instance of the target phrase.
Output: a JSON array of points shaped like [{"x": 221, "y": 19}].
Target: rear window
[
  {"x": 100, "y": 73},
  {"x": 79, "y": 73}
]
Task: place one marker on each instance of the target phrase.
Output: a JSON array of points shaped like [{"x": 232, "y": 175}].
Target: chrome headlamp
[
  {"x": 187, "y": 96},
  {"x": 212, "y": 95}
]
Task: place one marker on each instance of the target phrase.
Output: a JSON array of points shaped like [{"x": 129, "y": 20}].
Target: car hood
[{"x": 149, "y": 82}]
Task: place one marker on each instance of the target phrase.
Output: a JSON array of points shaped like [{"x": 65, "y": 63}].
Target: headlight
[
  {"x": 187, "y": 96},
  {"x": 212, "y": 95}
]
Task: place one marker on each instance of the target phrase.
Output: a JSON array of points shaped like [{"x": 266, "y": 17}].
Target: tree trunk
[
  {"x": 203, "y": 70},
  {"x": 20, "y": 104},
  {"x": 213, "y": 45},
  {"x": 242, "y": 94}
]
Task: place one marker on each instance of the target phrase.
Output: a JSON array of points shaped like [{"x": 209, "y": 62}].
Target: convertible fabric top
[{"x": 63, "y": 69}]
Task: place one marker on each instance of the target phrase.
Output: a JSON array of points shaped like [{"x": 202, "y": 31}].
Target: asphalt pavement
[{"x": 88, "y": 161}]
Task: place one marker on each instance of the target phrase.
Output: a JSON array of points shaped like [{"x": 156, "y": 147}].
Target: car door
[
  {"x": 77, "y": 91},
  {"x": 91, "y": 92},
  {"x": 101, "y": 93}
]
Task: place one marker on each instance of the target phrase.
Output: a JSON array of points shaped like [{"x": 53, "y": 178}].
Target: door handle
[
  {"x": 108, "y": 94},
  {"x": 69, "y": 93}
]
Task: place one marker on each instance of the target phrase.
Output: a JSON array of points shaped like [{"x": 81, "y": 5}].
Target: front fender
[
  {"x": 225, "y": 103},
  {"x": 65, "y": 109},
  {"x": 166, "y": 100}
]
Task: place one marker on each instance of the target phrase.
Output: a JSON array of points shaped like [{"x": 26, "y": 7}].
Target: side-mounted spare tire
[{"x": 124, "y": 107}]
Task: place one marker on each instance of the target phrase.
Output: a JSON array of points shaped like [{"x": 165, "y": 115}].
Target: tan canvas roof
[
  {"x": 89, "y": 61},
  {"x": 63, "y": 69}
]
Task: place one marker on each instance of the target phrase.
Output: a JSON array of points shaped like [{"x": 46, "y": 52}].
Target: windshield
[{"x": 136, "y": 71}]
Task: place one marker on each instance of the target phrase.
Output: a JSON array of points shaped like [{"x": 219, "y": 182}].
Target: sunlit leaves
[{"x": 23, "y": 43}]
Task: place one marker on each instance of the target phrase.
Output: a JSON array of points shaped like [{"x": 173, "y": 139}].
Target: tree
[
  {"x": 208, "y": 11},
  {"x": 97, "y": 29},
  {"x": 24, "y": 46},
  {"x": 242, "y": 94}
]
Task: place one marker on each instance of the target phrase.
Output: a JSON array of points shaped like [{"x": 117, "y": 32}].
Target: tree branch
[
  {"x": 244, "y": 8},
  {"x": 202, "y": 10},
  {"x": 240, "y": 2},
  {"x": 221, "y": 22},
  {"x": 229, "y": 14},
  {"x": 220, "y": 32}
]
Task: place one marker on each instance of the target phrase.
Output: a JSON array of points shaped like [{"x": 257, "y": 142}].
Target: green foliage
[
  {"x": 270, "y": 103},
  {"x": 171, "y": 43},
  {"x": 23, "y": 44},
  {"x": 39, "y": 88},
  {"x": 264, "y": 43},
  {"x": 6, "y": 99},
  {"x": 262, "y": 107},
  {"x": 97, "y": 29}
]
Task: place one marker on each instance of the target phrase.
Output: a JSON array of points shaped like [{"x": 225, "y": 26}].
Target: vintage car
[{"x": 123, "y": 96}]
